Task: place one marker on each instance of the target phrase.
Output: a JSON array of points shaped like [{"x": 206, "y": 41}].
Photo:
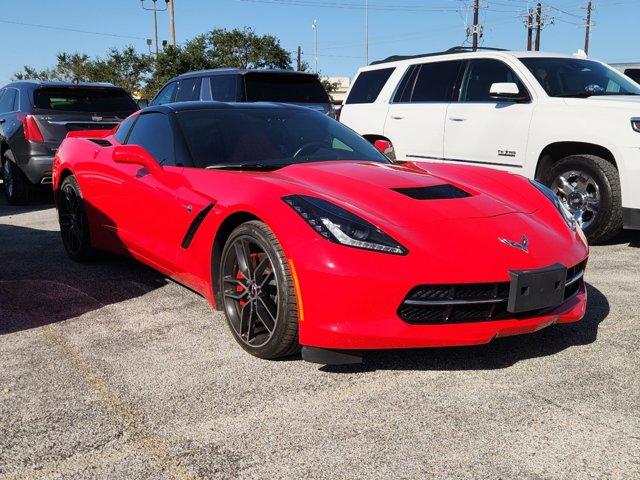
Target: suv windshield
[
  {"x": 573, "y": 77},
  {"x": 91, "y": 100},
  {"x": 269, "y": 138},
  {"x": 284, "y": 87}
]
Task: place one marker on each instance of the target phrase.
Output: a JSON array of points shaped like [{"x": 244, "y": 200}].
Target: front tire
[
  {"x": 589, "y": 186},
  {"x": 17, "y": 187},
  {"x": 74, "y": 226},
  {"x": 257, "y": 292}
]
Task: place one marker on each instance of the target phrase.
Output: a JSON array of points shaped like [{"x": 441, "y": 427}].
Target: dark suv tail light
[{"x": 31, "y": 130}]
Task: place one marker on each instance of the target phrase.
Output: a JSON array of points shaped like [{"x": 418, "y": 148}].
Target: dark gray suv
[
  {"x": 237, "y": 85},
  {"x": 36, "y": 116}
]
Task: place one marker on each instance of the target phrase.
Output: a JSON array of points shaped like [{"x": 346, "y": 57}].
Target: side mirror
[
  {"x": 135, "y": 155},
  {"x": 383, "y": 146},
  {"x": 142, "y": 103},
  {"x": 506, "y": 91}
]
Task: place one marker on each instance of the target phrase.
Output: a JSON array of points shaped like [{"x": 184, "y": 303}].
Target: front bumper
[{"x": 350, "y": 297}]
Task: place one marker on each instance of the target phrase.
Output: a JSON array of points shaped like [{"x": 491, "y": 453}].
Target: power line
[{"x": 69, "y": 29}]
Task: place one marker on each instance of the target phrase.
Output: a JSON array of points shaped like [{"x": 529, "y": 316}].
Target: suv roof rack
[{"x": 458, "y": 49}]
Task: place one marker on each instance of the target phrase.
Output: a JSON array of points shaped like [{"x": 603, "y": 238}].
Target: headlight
[
  {"x": 553, "y": 198},
  {"x": 340, "y": 226}
]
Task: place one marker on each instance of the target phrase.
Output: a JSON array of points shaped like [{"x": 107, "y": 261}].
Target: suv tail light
[{"x": 31, "y": 129}]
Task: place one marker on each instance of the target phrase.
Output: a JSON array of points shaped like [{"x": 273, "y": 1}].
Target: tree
[
  {"x": 126, "y": 68},
  {"x": 238, "y": 48},
  {"x": 144, "y": 74}
]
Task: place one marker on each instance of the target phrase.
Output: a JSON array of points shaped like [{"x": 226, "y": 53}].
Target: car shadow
[
  {"x": 42, "y": 200},
  {"x": 500, "y": 353},
  {"x": 40, "y": 285},
  {"x": 630, "y": 237}
]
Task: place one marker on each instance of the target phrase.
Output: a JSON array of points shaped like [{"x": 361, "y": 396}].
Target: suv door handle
[
  {"x": 457, "y": 119},
  {"x": 2, "y": 120},
  {"x": 397, "y": 117}
]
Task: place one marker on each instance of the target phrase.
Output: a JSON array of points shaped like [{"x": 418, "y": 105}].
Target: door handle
[
  {"x": 457, "y": 119},
  {"x": 397, "y": 117}
]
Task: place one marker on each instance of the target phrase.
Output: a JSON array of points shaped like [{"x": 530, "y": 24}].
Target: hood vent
[
  {"x": 435, "y": 192},
  {"x": 101, "y": 142}
]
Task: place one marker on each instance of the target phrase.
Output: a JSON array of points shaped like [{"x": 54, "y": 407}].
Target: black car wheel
[
  {"x": 589, "y": 186},
  {"x": 17, "y": 188},
  {"x": 74, "y": 226},
  {"x": 257, "y": 292}
]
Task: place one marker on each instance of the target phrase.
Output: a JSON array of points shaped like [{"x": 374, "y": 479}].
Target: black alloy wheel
[
  {"x": 257, "y": 292},
  {"x": 74, "y": 226}
]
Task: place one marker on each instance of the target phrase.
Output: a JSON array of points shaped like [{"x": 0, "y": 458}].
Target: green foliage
[{"x": 145, "y": 75}]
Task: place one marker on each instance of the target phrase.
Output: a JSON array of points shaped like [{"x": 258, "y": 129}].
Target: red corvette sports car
[{"x": 304, "y": 234}]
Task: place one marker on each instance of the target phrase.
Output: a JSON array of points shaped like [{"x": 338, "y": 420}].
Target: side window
[
  {"x": 7, "y": 100},
  {"x": 166, "y": 94},
  {"x": 187, "y": 90},
  {"x": 224, "y": 88},
  {"x": 405, "y": 89},
  {"x": 435, "y": 82},
  {"x": 481, "y": 74},
  {"x": 124, "y": 127},
  {"x": 368, "y": 85},
  {"x": 153, "y": 132},
  {"x": 633, "y": 74}
]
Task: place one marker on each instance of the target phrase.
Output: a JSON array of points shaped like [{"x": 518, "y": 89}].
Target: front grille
[{"x": 476, "y": 302}]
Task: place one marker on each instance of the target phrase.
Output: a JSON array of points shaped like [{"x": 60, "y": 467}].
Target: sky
[{"x": 34, "y": 31}]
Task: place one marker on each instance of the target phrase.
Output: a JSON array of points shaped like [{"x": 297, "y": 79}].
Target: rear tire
[
  {"x": 257, "y": 291},
  {"x": 17, "y": 187},
  {"x": 74, "y": 225},
  {"x": 596, "y": 186}
]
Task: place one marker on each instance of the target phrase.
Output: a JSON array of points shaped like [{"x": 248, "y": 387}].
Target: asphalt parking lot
[{"x": 111, "y": 371}]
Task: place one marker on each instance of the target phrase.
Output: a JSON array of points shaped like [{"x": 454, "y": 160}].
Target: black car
[
  {"x": 35, "y": 117},
  {"x": 237, "y": 85}
]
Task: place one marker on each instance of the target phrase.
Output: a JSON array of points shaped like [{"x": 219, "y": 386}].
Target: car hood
[{"x": 371, "y": 190}]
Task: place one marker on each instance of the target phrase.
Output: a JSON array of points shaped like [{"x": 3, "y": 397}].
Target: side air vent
[
  {"x": 101, "y": 142},
  {"x": 435, "y": 192}
]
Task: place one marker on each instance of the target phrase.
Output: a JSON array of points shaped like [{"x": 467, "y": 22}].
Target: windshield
[
  {"x": 284, "y": 87},
  {"x": 573, "y": 77},
  {"x": 89, "y": 100},
  {"x": 248, "y": 137}
]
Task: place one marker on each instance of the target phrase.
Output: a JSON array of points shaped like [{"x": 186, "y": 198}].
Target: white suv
[{"x": 572, "y": 123}]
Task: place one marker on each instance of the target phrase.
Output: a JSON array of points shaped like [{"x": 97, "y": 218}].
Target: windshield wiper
[{"x": 246, "y": 166}]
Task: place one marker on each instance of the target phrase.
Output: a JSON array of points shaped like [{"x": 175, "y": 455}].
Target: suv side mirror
[
  {"x": 142, "y": 103},
  {"x": 135, "y": 155},
  {"x": 506, "y": 91}
]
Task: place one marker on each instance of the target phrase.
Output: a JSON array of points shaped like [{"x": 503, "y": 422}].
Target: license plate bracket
[{"x": 536, "y": 289}]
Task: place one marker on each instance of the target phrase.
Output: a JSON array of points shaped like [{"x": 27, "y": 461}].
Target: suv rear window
[
  {"x": 368, "y": 85},
  {"x": 74, "y": 99},
  {"x": 284, "y": 87}
]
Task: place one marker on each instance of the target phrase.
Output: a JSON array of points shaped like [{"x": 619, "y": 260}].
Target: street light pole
[
  {"x": 172, "y": 22},
  {"x": 314, "y": 26},
  {"x": 366, "y": 32},
  {"x": 155, "y": 11}
]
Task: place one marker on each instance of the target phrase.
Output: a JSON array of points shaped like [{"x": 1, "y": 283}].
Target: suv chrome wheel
[{"x": 580, "y": 193}]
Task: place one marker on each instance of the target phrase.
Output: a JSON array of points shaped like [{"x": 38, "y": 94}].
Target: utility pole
[
  {"x": 299, "y": 58},
  {"x": 155, "y": 11},
  {"x": 172, "y": 22},
  {"x": 366, "y": 32},
  {"x": 314, "y": 26},
  {"x": 587, "y": 32},
  {"x": 476, "y": 8},
  {"x": 538, "y": 25},
  {"x": 529, "y": 30}
]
